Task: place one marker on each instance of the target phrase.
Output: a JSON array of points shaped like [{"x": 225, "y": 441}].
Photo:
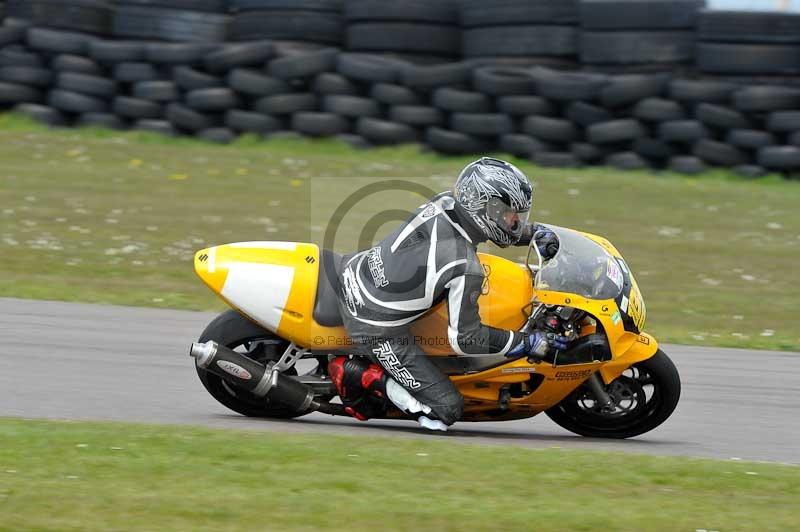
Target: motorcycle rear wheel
[
  {"x": 645, "y": 395},
  {"x": 240, "y": 334}
]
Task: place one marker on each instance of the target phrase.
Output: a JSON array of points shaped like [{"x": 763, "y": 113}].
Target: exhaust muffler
[{"x": 262, "y": 381}]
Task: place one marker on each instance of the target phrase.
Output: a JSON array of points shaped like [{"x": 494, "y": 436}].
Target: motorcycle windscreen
[{"x": 581, "y": 267}]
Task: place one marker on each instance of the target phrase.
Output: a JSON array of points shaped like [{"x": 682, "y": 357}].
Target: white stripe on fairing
[
  {"x": 289, "y": 246},
  {"x": 260, "y": 290},
  {"x": 624, "y": 304},
  {"x": 454, "y": 297},
  {"x": 212, "y": 260}
]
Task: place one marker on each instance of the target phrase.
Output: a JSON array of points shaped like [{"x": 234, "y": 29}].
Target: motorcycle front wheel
[{"x": 643, "y": 397}]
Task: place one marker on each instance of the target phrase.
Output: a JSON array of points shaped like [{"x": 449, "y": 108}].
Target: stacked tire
[
  {"x": 218, "y": 91},
  {"x": 417, "y": 30},
  {"x": 629, "y": 35},
  {"x": 466, "y": 116},
  {"x": 284, "y": 96},
  {"x": 207, "y": 90},
  {"x": 775, "y": 123},
  {"x": 83, "y": 89},
  {"x": 91, "y": 16},
  {"x": 79, "y": 86},
  {"x": 750, "y": 129},
  {"x": 746, "y": 45},
  {"x": 171, "y": 20},
  {"x": 520, "y": 31},
  {"x": 364, "y": 91},
  {"x": 310, "y": 21},
  {"x": 429, "y": 115},
  {"x": 590, "y": 122},
  {"x": 24, "y": 76}
]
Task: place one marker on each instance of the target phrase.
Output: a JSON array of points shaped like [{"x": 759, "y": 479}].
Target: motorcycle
[{"x": 268, "y": 355}]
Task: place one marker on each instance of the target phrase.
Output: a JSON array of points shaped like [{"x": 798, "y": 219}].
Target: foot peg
[{"x": 259, "y": 380}]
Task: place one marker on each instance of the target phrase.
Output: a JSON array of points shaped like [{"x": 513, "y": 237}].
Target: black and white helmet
[{"x": 497, "y": 196}]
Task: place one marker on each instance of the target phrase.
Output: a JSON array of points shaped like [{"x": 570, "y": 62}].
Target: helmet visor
[{"x": 510, "y": 220}]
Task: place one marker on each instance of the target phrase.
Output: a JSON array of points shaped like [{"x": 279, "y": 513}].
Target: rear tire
[
  {"x": 234, "y": 330},
  {"x": 642, "y": 411}
]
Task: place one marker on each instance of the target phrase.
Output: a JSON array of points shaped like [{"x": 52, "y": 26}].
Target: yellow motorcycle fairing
[
  {"x": 275, "y": 284},
  {"x": 622, "y": 317}
]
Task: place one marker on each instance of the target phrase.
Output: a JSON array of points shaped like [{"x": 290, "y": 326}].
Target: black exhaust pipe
[{"x": 262, "y": 381}]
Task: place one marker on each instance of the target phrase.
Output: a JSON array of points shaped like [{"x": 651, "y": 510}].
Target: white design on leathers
[
  {"x": 454, "y": 297},
  {"x": 412, "y": 226},
  {"x": 454, "y": 300},
  {"x": 404, "y": 400},
  {"x": 395, "y": 323},
  {"x": 375, "y": 264},
  {"x": 389, "y": 360},
  {"x": 507, "y": 347},
  {"x": 352, "y": 294},
  {"x": 447, "y": 203},
  {"x": 431, "y": 280},
  {"x": 444, "y": 203}
]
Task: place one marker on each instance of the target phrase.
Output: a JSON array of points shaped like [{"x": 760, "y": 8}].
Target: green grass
[
  {"x": 63, "y": 476},
  {"x": 109, "y": 217}
]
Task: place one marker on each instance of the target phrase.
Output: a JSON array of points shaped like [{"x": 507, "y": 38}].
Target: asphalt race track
[{"x": 81, "y": 362}]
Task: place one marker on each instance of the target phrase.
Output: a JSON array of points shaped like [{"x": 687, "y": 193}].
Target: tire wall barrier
[{"x": 465, "y": 80}]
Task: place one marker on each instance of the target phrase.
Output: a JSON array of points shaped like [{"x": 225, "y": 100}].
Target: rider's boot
[{"x": 361, "y": 386}]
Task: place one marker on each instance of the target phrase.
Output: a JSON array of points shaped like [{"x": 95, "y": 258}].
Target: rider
[{"x": 432, "y": 256}]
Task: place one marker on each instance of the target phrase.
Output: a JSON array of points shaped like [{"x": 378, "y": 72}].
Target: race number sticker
[
  {"x": 636, "y": 309},
  {"x": 614, "y": 273}
]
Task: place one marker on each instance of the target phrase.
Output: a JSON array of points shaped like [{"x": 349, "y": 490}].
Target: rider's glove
[
  {"x": 547, "y": 243},
  {"x": 539, "y": 344}
]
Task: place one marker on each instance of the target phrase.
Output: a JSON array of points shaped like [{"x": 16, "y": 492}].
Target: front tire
[
  {"x": 645, "y": 395},
  {"x": 238, "y": 333}
]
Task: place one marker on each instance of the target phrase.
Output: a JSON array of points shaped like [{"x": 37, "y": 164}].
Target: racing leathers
[{"x": 429, "y": 258}]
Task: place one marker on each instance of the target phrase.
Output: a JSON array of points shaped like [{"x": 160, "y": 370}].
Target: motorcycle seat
[{"x": 326, "y": 304}]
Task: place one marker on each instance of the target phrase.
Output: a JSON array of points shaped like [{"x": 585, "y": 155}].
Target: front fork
[
  {"x": 643, "y": 348},
  {"x": 595, "y": 384}
]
